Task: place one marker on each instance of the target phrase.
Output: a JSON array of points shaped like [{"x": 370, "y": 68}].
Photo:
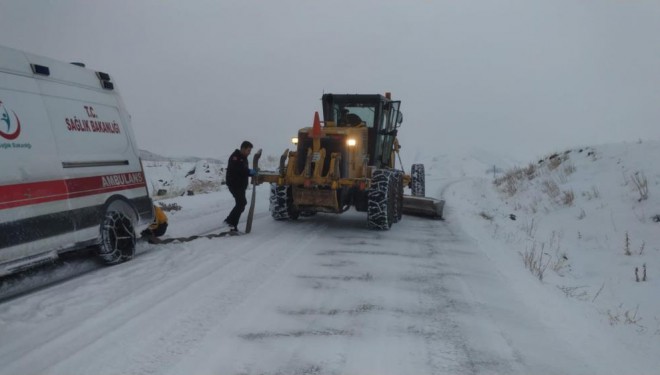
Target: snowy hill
[
  {"x": 583, "y": 221},
  {"x": 151, "y": 156},
  {"x": 172, "y": 178},
  {"x": 169, "y": 177}
]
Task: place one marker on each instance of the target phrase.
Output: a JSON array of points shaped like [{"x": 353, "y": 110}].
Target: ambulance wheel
[
  {"x": 417, "y": 183},
  {"x": 281, "y": 203},
  {"x": 117, "y": 238},
  {"x": 381, "y": 200}
]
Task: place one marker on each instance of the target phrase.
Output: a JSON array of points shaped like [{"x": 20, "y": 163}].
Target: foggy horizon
[{"x": 517, "y": 78}]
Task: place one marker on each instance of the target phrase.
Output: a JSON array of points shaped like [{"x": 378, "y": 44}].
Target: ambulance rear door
[{"x": 34, "y": 212}]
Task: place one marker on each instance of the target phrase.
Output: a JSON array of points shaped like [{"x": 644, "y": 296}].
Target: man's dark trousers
[{"x": 239, "y": 207}]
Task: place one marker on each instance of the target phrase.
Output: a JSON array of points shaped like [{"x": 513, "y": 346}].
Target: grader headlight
[
  {"x": 351, "y": 142},
  {"x": 294, "y": 140}
]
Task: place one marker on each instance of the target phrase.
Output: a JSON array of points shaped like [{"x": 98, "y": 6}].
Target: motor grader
[{"x": 349, "y": 162}]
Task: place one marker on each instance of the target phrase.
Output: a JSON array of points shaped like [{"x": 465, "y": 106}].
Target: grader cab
[{"x": 349, "y": 162}]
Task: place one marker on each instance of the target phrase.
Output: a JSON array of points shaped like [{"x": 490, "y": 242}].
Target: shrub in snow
[
  {"x": 567, "y": 198},
  {"x": 641, "y": 184},
  {"x": 551, "y": 188},
  {"x": 509, "y": 183},
  {"x": 629, "y": 317},
  {"x": 643, "y": 273},
  {"x": 486, "y": 216},
  {"x": 592, "y": 194},
  {"x": 530, "y": 171},
  {"x": 554, "y": 162},
  {"x": 569, "y": 169},
  {"x": 534, "y": 261}
]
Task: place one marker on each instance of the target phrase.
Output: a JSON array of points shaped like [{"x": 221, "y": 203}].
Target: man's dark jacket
[{"x": 238, "y": 171}]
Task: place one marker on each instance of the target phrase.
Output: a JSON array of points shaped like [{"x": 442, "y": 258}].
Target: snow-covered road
[{"x": 321, "y": 295}]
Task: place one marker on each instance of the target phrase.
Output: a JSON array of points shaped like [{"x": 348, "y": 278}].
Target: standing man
[{"x": 238, "y": 171}]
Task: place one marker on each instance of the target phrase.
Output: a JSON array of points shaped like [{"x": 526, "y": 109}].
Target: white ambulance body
[{"x": 70, "y": 173}]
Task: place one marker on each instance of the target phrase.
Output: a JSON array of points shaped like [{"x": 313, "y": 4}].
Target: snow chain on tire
[
  {"x": 398, "y": 195},
  {"x": 281, "y": 203},
  {"x": 381, "y": 202},
  {"x": 418, "y": 181},
  {"x": 117, "y": 238}
]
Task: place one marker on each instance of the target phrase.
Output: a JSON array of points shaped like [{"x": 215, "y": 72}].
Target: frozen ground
[{"x": 323, "y": 295}]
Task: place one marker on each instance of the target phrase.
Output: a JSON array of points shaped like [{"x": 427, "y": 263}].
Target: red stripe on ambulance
[{"x": 49, "y": 191}]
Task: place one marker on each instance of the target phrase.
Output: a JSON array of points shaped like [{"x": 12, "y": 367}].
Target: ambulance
[{"x": 70, "y": 172}]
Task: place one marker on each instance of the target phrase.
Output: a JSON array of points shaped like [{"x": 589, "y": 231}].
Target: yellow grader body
[
  {"x": 312, "y": 176},
  {"x": 349, "y": 162}
]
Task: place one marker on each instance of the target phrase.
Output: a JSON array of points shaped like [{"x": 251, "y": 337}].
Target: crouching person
[{"x": 158, "y": 227}]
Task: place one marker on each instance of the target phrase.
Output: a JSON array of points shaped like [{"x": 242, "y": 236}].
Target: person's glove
[{"x": 252, "y": 172}]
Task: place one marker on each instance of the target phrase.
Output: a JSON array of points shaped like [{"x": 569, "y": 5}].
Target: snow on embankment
[{"x": 584, "y": 222}]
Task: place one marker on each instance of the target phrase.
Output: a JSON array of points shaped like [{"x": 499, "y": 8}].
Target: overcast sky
[{"x": 518, "y": 77}]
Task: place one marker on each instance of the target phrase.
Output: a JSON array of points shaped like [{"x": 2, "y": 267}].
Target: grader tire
[
  {"x": 381, "y": 202},
  {"x": 281, "y": 203},
  {"x": 418, "y": 181},
  {"x": 117, "y": 238}
]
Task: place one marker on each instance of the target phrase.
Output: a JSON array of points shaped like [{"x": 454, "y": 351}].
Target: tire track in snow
[{"x": 221, "y": 290}]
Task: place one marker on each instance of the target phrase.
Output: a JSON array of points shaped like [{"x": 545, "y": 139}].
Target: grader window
[{"x": 348, "y": 115}]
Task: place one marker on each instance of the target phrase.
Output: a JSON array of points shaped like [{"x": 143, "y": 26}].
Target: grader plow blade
[{"x": 423, "y": 206}]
